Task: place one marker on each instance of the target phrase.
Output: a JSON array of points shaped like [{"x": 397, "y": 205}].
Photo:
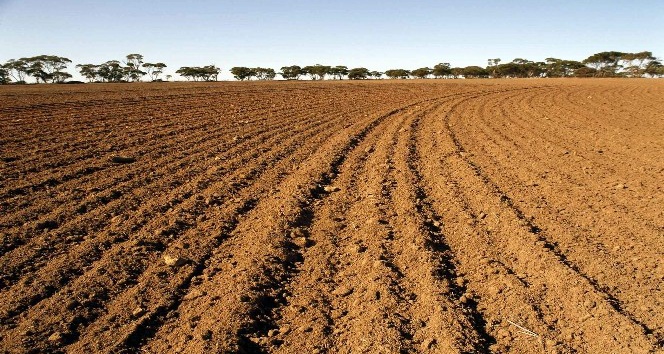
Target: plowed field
[{"x": 508, "y": 216}]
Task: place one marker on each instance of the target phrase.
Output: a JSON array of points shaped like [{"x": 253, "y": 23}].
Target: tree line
[{"x": 52, "y": 69}]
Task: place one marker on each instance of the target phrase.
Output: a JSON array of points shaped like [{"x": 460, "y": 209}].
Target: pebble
[
  {"x": 620, "y": 186},
  {"x": 301, "y": 242},
  {"x": 272, "y": 332},
  {"x": 173, "y": 261},
  {"x": 138, "y": 312},
  {"x": 55, "y": 337},
  {"x": 482, "y": 215},
  {"x": 331, "y": 189}
]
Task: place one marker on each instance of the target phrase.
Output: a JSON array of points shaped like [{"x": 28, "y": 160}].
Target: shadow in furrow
[
  {"x": 149, "y": 327},
  {"x": 266, "y": 312},
  {"x": 550, "y": 246},
  {"x": 437, "y": 245}
]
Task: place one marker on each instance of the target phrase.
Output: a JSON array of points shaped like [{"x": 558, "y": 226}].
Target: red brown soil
[{"x": 508, "y": 216}]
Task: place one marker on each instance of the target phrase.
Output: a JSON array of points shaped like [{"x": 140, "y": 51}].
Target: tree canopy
[
  {"x": 358, "y": 73},
  {"x": 397, "y": 73},
  {"x": 198, "y": 73},
  {"x": 53, "y": 69}
]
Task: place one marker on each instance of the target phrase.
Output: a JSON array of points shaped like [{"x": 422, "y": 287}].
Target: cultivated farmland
[{"x": 521, "y": 216}]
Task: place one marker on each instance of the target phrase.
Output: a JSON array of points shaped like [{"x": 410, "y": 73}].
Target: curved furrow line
[
  {"x": 248, "y": 171},
  {"x": 336, "y": 221},
  {"x": 572, "y": 243},
  {"x": 573, "y": 172},
  {"x": 465, "y": 319},
  {"x": 573, "y": 139},
  {"x": 492, "y": 289},
  {"x": 559, "y": 268},
  {"x": 259, "y": 272},
  {"x": 154, "y": 293},
  {"x": 200, "y": 149},
  {"x": 240, "y": 154},
  {"x": 512, "y": 149},
  {"x": 83, "y": 167},
  {"x": 351, "y": 241}
]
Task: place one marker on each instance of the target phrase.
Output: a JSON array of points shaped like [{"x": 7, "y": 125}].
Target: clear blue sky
[{"x": 375, "y": 34}]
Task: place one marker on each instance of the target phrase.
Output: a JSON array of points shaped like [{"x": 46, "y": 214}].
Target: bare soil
[{"x": 506, "y": 216}]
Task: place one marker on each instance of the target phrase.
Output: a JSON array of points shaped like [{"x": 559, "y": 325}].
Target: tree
[
  {"x": 110, "y": 71},
  {"x": 376, "y": 74},
  {"x": 211, "y": 73},
  {"x": 493, "y": 64},
  {"x": 561, "y": 68},
  {"x": 421, "y": 73},
  {"x": 339, "y": 72},
  {"x": 655, "y": 69},
  {"x": 4, "y": 76},
  {"x": 89, "y": 71},
  {"x": 242, "y": 73},
  {"x": 196, "y": 73},
  {"x": 264, "y": 73},
  {"x": 585, "y": 72},
  {"x": 604, "y": 63},
  {"x": 471, "y": 72},
  {"x": 292, "y": 72},
  {"x": 636, "y": 63},
  {"x": 317, "y": 72},
  {"x": 17, "y": 70},
  {"x": 358, "y": 73},
  {"x": 47, "y": 68},
  {"x": 456, "y": 72},
  {"x": 397, "y": 73},
  {"x": 133, "y": 70},
  {"x": 441, "y": 70},
  {"x": 154, "y": 70}
]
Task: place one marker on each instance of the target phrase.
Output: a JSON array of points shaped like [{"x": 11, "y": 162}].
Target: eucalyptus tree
[
  {"x": 111, "y": 71},
  {"x": 358, "y": 73},
  {"x": 339, "y": 72},
  {"x": 421, "y": 73},
  {"x": 561, "y": 68},
  {"x": 89, "y": 71},
  {"x": 376, "y": 74},
  {"x": 242, "y": 73},
  {"x": 292, "y": 72},
  {"x": 493, "y": 65},
  {"x": 264, "y": 73},
  {"x": 47, "y": 68},
  {"x": 472, "y": 72},
  {"x": 197, "y": 73},
  {"x": 4, "y": 76},
  {"x": 317, "y": 72},
  {"x": 153, "y": 70},
  {"x": 441, "y": 70},
  {"x": 132, "y": 69},
  {"x": 605, "y": 63},
  {"x": 397, "y": 73},
  {"x": 17, "y": 69}
]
